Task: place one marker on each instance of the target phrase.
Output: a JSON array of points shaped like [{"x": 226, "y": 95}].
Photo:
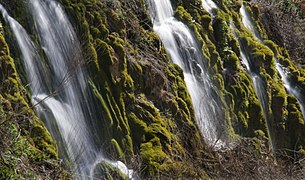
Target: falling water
[
  {"x": 209, "y": 5},
  {"x": 184, "y": 51},
  {"x": 259, "y": 85},
  {"x": 63, "y": 100},
  {"x": 257, "y": 81},
  {"x": 61, "y": 47},
  {"x": 29, "y": 56},
  {"x": 294, "y": 90},
  {"x": 249, "y": 23}
]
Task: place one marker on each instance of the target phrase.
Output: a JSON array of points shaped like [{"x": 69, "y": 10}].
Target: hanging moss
[
  {"x": 104, "y": 54},
  {"x": 182, "y": 14},
  {"x": 118, "y": 148}
]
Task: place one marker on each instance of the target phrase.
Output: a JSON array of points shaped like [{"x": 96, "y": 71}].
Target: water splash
[{"x": 184, "y": 51}]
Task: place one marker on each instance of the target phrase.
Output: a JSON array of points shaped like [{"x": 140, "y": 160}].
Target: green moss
[
  {"x": 206, "y": 21},
  {"x": 15, "y": 147},
  {"x": 161, "y": 132},
  {"x": 104, "y": 54},
  {"x": 23, "y": 134},
  {"x": 221, "y": 30},
  {"x": 118, "y": 46},
  {"x": 183, "y": 15},
  {"x": 105, "y": 170},
  {"x": 232, "y": 62},
  {"x": 272, "y": 46},
  {"x": 117, "y": 148},
  {"x": 295, "y": 124},
  {"x": 43, "y": 140},
  {"x": 260, "y": 134},
  {"x": 244, "y": 121},
  {"x": 103, "y": 103},
  {"x": 152, "y": 154},
  {"x": 138, "y": 127}
]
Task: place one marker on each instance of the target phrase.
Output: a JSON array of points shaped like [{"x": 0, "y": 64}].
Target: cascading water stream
[
  {"x": 29, "y": 53},
  {"x": 294, "y": 90},
  {"x": 71, "y": 108},
  {"x": 68, "y": 113},
  {"x": 209, "y": 5},
  {"x": 249, "y": 23},
  {"x": 257, "y": 81},
  {"x": 259, "y": 86},
  {"x": 184, "y": 51}
]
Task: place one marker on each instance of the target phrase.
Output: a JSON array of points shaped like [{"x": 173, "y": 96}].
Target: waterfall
[
  {"x": 183, "y": 50},
  {"x": 257, "y": 81},
  {"x": 29, "y": 53},
  {"x": 61, "y": 93},
  {"x": 294, "y": 90},
  {"x": 259, "y": 86},
  {"x": 71, "y": 107},
  {"x": 209, "y": 5},
  {"x": 249, "y": 23}
]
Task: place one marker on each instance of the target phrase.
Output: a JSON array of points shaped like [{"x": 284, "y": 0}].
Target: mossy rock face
[
  {"x": 146, "y": 109},
  {"x": 244, "y": 102},
  {"x": 239, "y": 84},
  {"x": 223, "y": 48},
  {"x": 295, "y": 127},
  {"x": 26, "y": 144},
  {"x": 284, "y": 111}
]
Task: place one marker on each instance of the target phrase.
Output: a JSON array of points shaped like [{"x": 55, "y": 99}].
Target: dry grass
[
  {"x": 253, "y": 159},
  {"x": 284, "y": 22}
]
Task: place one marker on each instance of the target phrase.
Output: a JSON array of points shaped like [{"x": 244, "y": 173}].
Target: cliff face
[{"x": 145, "y": 109}]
